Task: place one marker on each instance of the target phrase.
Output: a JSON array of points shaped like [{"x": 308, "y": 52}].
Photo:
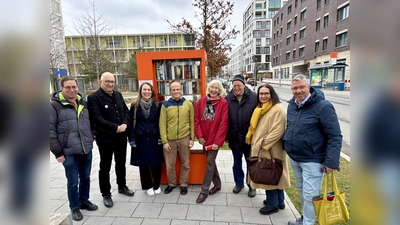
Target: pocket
[{"x": 65, "y": 140}]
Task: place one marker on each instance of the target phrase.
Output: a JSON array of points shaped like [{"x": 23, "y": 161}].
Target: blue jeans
[
  {"x": 78, "y": 167},
  {"x": 238, "y": 174},
  {"x": 308, "y": 181},
  {"x": 275, "y": 197}
]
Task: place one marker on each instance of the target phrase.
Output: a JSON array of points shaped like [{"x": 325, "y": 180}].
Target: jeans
[
  {"x": 238, "y": 174},
  {"x": 275, "y": 197},
  {"x": 77, "y": 168},
  {"x": 308, "y": 181},
  {"x": 106, "y": 155}
]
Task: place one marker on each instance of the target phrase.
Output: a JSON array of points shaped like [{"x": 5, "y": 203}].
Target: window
[
  {"x": 318, "y": 4},
  {"x": 267, "y": 50},
  {"x": 301, "y": 52},
  {"x": 256, "y": 33},
  {"x": 281, "y": 30},
  {"x": 268, "y": 24},
  {"x": 258, "y": 25},
  {"x": 288, "y": 56},
  {"x": 294, "y": 37},
  {"x": 257, "y": 50},
  {"x": 288, "y": 41},
  {"x": 267, "y": 33},
  {"x": 343, "y": 13},
  {"x": 289, "y": 25},
  {"x": 134, "y": 42},
  {"x": 326, "y": 21},
  {"x": 295, "y": 3},
  {"x": 303, "y": 15},
  {"x": 324, "y": 44},
  {"x": 281, "y": 16},
  {"x": 317, "y": 25},
  {"x": 258, "y": 42},
  {"x": 317, "y": 46},
  {"x": 326, "y": 2},
  {"x": 289, "y": 9},
  {"x": 267, "y": 41},
  {"x": 302, "y": 33},
  {"x": 173, "y": 41},
  {"x": 258, "y": 6},
  {"x": 294, "y": 54},
  {"x": 341, "y": 39},
  {"x": 163, "y": 41},
  {"x": 295, "y": 20}
]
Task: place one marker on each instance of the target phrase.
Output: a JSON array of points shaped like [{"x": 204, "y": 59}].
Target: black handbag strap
[{"x": 269, "y": 150}]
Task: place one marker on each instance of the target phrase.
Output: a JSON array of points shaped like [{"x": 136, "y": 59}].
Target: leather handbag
[{"x": 264, "y": 170}]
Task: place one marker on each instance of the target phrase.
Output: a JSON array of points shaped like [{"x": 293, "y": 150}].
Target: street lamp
[{"x": 280, "y": 60}]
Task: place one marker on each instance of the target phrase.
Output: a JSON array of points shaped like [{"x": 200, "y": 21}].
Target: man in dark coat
[
  {"x": 241, "y": 104},
  {"x": 109, "y": 117}
]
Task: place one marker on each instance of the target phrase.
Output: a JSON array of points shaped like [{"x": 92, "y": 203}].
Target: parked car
[{"x": 252, "y": 81}]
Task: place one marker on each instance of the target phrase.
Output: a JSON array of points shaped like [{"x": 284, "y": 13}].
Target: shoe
[
  {"x": 88, "y": 206},
  {"x": 150, "y": 192},
  {"x": 202, "y": 197},
  {"x": 76, "y": 214},
  {"x": 214, "y": 190},
  {"x": 298, "y": 221},
  {"x": 267, "y": 210},
  {"x": 126, "y": 191},
  {"x": 158, "y": 191},
  {"x": 280, "y": 206},
  {"x": 108, "y": 202},
  {"x": 252, "y": 193},
  {"x": 168, "y": 189},
  {"x": 184, "y": 190},
  {"x": 237, "y": 189}
]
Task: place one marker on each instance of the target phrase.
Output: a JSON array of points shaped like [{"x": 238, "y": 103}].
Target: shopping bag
[{"x": 332, "y": 209}]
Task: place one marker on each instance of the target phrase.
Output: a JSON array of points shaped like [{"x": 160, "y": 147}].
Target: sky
[{"x": 143, "y": 16}]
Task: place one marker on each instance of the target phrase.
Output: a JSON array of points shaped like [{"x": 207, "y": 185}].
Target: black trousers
[
  {"x": 150, "y": 177},
  {"x": 107, "y": 150}
]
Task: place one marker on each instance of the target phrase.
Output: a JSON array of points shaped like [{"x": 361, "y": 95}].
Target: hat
[{"x": 238, "y": 77}]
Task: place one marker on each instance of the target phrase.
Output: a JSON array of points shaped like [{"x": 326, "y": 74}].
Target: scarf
[
  {"x": 146, "y": 105},
  {"x": 209, "y": 113},
  {"x": 259, "y": 111}
]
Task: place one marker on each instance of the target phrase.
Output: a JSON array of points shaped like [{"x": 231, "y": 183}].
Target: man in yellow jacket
[{"x": 177, "y": 133}]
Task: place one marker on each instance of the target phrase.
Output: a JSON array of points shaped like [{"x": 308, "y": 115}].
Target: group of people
[{"x": 160, "y": 131}]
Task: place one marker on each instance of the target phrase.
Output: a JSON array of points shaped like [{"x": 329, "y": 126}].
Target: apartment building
[
  {"x": 257, "y": 33},
  {"x": 306, "y": 32},
  {"x": 120, "y": 47},
  {"x": 235, "y": 65}
]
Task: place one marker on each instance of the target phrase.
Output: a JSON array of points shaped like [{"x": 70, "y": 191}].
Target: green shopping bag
[{"x": 331, "y": 208}]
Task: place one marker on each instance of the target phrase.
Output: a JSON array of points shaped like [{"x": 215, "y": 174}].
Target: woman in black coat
[{"x": 144, "y": 138}]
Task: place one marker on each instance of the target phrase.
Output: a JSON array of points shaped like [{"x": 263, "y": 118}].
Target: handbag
[
  {"x": 332, "y": 208},
  {"x": 265, "y": 171}
]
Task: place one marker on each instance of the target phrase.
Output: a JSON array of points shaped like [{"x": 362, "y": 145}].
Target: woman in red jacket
[{"x": 210, "y": 127}]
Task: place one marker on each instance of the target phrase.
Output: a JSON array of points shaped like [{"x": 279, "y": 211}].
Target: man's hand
[
  {"x": 202, "y": 141},
  {"x": 121, "y": 128},
  {"x": 166, "y": 147},
  {"x": 191, "y": 143},
  {"x": 61, "y": 159},
  {"x": 329, "y": 170}
]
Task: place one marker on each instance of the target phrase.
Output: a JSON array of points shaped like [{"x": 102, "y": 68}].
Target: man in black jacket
[
  {"x": 109, "y": 117},
  {"x": 241, "y": 104}
]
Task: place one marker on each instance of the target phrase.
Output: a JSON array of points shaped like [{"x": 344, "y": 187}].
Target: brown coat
[{"x": 271, "y": 126}]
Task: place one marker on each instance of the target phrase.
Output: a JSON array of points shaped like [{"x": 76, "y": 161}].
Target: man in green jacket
[{"x": 177, "y": 133}]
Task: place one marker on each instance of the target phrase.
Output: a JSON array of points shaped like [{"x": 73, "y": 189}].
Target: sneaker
[
  {"x": 298, "y": 221},
  {"x": 158, "y": 191},
  {"x": 76, "y": 214},
  {"x": 88, "y": 206},
  {"x": 150, "y": 192}
]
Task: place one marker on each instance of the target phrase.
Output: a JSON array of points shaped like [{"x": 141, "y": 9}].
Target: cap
[{"x": 238, "y": 77}]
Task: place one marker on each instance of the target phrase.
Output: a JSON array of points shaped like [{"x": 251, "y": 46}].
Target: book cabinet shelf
[{"x": 161, "y": 68}]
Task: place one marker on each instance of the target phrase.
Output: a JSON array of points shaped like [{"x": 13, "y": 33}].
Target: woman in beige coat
[{"x": 268, "y": 123}]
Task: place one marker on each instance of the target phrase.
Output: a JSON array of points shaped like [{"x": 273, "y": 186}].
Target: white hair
[
  {"x": 222, "y": 92},
  {"x": 299, "y": 77}
]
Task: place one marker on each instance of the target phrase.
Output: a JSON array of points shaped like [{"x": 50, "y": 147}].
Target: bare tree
[
  {"x": 92, "y": 27},
  {"x": 214, "y": 32}
]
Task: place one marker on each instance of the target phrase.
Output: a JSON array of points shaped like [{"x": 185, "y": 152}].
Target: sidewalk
[
  {"x": 327, "y": 91},
  {"x": 223, "y": 208}
]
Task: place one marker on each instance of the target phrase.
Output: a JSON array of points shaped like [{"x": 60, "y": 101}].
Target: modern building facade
[
  {"x": 120, "y": 47},
  {"x": 306, "y": 32},
  {"x": 257, "y": 33},
  {"x": 235, "y": 65}
]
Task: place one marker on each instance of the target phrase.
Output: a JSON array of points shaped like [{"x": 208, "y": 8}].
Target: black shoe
[
  {"x": 76, "y": 214},
  {"x": 266, "y": 210},
  {"x": 108, "y": 202},
  {"x": 280, "y": 206},
  {"x": 252, "y": 193},
  {"x": 168, "y": 189},
  {"x": 126, "y": 191},
  {"x": 88, "y": 206},
  {"x": 237, "y": 189},
  {"x": 183, "y": 190}
]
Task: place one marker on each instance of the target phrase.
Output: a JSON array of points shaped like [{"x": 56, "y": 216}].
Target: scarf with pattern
[{"x": 209, "y": 113}]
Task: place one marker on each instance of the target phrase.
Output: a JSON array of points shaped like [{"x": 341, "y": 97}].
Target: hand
[
  {"x": 121, "y": 128},
  {"x": 191, "y": 143},
  {"x": 132, "y": 143},
  {"x": 166, "y": 147},
  {"x": 202, "y": 141},
  {"x": 329, "y": 170},
  {"x": 214, "y": 147},
  {"x": 61, "y": 159}
]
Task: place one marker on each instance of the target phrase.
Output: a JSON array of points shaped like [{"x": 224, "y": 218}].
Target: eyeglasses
[
  {"x": 71, "y": 87},
  {"x": 264, "y": 93},
  {"x": 109, "y": 81},
  {"x": 297, "y": 88}
]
